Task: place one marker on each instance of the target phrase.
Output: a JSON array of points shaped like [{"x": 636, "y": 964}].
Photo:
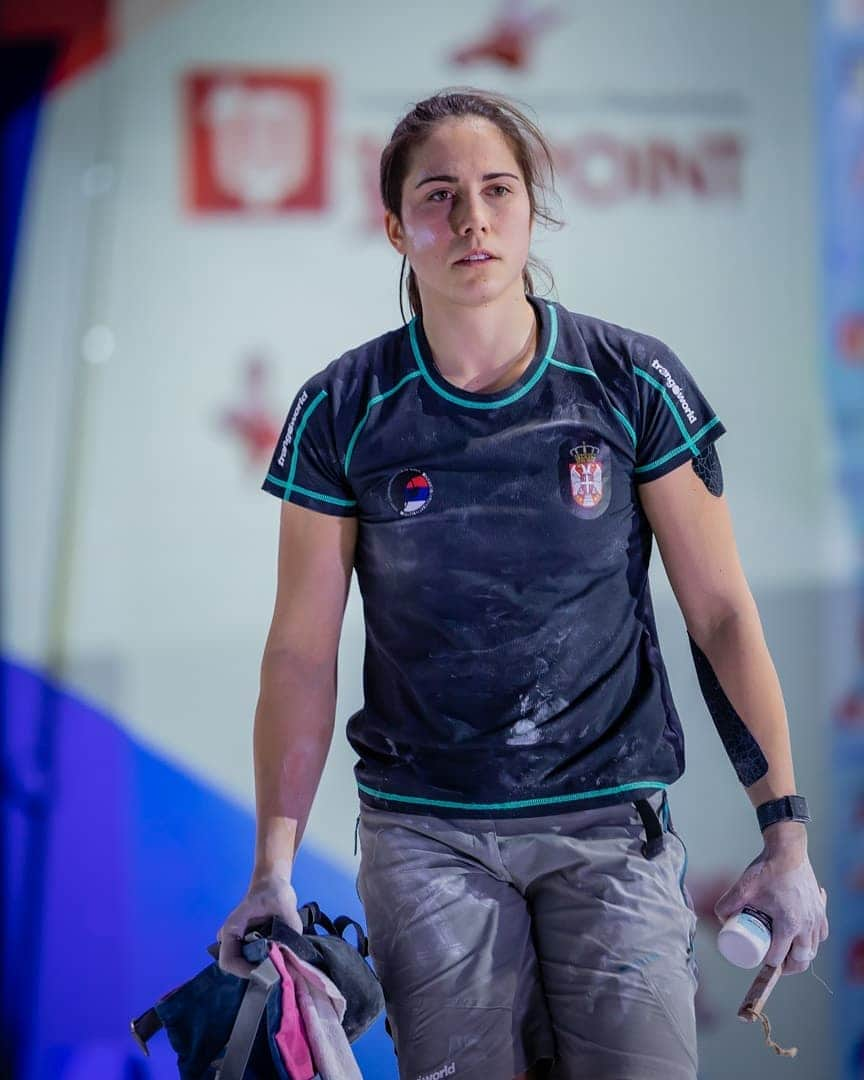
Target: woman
[{"x": 495, "y": 471}]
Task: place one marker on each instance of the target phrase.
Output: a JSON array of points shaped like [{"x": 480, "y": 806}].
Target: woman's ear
[{"x": 393, "y": 228}]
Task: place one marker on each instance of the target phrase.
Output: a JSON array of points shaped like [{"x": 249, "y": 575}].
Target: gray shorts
[{"x": 501, "y": 942}]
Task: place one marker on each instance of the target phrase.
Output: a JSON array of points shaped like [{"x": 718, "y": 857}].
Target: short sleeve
[
  {"x": 306, "y": 465},
  {"x": 674, "y": 421}
]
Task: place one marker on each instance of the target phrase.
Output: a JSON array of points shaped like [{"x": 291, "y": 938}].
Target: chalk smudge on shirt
[{"x": 525, "y": 733}]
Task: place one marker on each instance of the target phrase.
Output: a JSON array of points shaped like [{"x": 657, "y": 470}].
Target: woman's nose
[{"x": 471, "y": 214}]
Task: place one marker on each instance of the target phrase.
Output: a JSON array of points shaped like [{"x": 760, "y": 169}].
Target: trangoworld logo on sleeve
[
  {"x": 409, "y": 492},
  {"x": 289, "y": 431},
  {"x": 446, "y": 1070},
  {"x": 663, "y": 372},
  {"x": 590, "y": 477}
]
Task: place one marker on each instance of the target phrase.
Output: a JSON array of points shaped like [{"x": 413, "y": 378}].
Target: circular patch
[{"x": 409, "y": 491}]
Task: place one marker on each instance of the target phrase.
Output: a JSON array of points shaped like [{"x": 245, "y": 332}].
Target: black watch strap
[{"x": 787, "y": 808}]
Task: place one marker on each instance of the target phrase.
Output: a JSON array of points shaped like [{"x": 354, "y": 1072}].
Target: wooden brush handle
[{"x": 759, "y": 992}]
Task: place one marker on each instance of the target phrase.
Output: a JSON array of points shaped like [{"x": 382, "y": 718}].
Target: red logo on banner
[
  {"x": 849, "y": 712},
  {"x": 251, "y": 421},
  {"x": 850, "y": 338},
  {"x": 848, "y": 12},
  {"x": 855, "y": 961},
  {"x": 256, "y": 141},
  {"x": 511, "y": 35}
]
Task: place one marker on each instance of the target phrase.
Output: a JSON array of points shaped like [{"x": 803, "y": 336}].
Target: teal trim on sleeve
[
  {"x": 374, "y": 401},
  {"x": 312, "y": 494},
  {"x": 289, "y": 484},
  {"x": 538, "y": 374},
  {"x": 519, "y": 803},
  {"x": 659, "y": 386},
  {"x": 625, "y": 423},
  {"x": 301, "y": 427},
  {"x": 573, "y": 367},
  {"x": 690, "y": 444}
]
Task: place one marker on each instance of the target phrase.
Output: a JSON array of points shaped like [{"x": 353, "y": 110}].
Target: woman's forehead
[{"x": 471, "y": 144}]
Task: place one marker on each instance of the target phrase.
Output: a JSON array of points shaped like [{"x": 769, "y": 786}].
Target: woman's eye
[{"x": 497, "y": 188}]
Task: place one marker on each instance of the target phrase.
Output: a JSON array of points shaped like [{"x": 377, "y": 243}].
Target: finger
[
  {"x": 231, "y": 958},
  {"x": 823, "y": 920},
  {"x": 727, "y": 905},
  {"x": 782, "y": 939},
  {"x": 799, "y": 956}
]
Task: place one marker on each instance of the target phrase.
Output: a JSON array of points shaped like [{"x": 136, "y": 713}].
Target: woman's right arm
[
  {"x": 295, "y": 714},
  {"x": 296, "y": 708}
]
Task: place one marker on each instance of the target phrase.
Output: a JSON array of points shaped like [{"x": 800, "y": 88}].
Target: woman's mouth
[{"x": 476, "y": 260}]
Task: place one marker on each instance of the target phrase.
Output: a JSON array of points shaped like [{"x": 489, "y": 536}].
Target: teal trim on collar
[
  {"x": 471, "y": 404},
  {"x": 519, "y": 803}
]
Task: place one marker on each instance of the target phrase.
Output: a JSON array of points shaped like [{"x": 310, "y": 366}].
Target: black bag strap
[
  {"x": 653, "y": 844},
  {"x": 311, "y": 916},
  {"x": 342, "y": 922}
]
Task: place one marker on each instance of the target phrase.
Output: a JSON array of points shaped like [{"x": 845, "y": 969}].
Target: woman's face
[{"x": 479, "y": 199}]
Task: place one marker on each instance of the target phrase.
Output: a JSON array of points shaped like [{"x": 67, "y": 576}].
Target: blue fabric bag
[{"x": 223, "y": 1027}]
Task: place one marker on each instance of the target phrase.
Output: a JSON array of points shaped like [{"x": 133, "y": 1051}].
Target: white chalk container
[{"x": 745, "y": 938}]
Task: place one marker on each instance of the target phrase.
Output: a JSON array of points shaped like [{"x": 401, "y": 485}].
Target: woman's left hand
[{"x": 780, "y": 881}]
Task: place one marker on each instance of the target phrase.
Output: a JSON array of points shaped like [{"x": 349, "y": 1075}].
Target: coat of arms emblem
[
  {"x": 586, "y": 476},
  {"x": 589, "y": 467}
]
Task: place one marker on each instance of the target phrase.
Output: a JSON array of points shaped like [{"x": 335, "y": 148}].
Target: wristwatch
[{"x": 787, "y": 808}]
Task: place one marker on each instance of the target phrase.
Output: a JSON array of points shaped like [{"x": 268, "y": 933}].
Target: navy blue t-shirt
[{"x": 512, "y": 664}]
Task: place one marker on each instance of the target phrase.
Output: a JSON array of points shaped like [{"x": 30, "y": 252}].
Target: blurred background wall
[{"x": 192, "y": 228}]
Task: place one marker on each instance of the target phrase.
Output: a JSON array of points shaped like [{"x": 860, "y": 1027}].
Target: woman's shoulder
[
  {"x": 628, "y": 343},
  {"x": 352, "y": 371}
]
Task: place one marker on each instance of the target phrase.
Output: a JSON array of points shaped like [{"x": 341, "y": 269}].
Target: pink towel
[
  {"x": 291, "y": 1038},
  {"x": 322, "y": 1008}
]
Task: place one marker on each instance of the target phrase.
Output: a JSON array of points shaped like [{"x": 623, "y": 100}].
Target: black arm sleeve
[{"x": 744, "y": 752}]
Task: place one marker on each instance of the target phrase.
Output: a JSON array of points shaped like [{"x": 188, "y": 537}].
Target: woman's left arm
[{"x": 693, "y": 528}]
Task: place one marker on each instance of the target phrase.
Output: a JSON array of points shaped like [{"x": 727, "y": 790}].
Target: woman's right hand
[{"x": 269, "y": 894}]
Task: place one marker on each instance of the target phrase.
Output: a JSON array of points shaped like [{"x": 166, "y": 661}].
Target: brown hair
[{"x": 529, "y": 146}]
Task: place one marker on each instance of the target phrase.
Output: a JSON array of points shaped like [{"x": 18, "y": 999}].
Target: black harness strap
[{"x": 653, "y": 829}]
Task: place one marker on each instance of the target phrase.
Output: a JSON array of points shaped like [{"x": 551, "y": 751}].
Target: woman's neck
[{"x": 483, "y": 349}]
